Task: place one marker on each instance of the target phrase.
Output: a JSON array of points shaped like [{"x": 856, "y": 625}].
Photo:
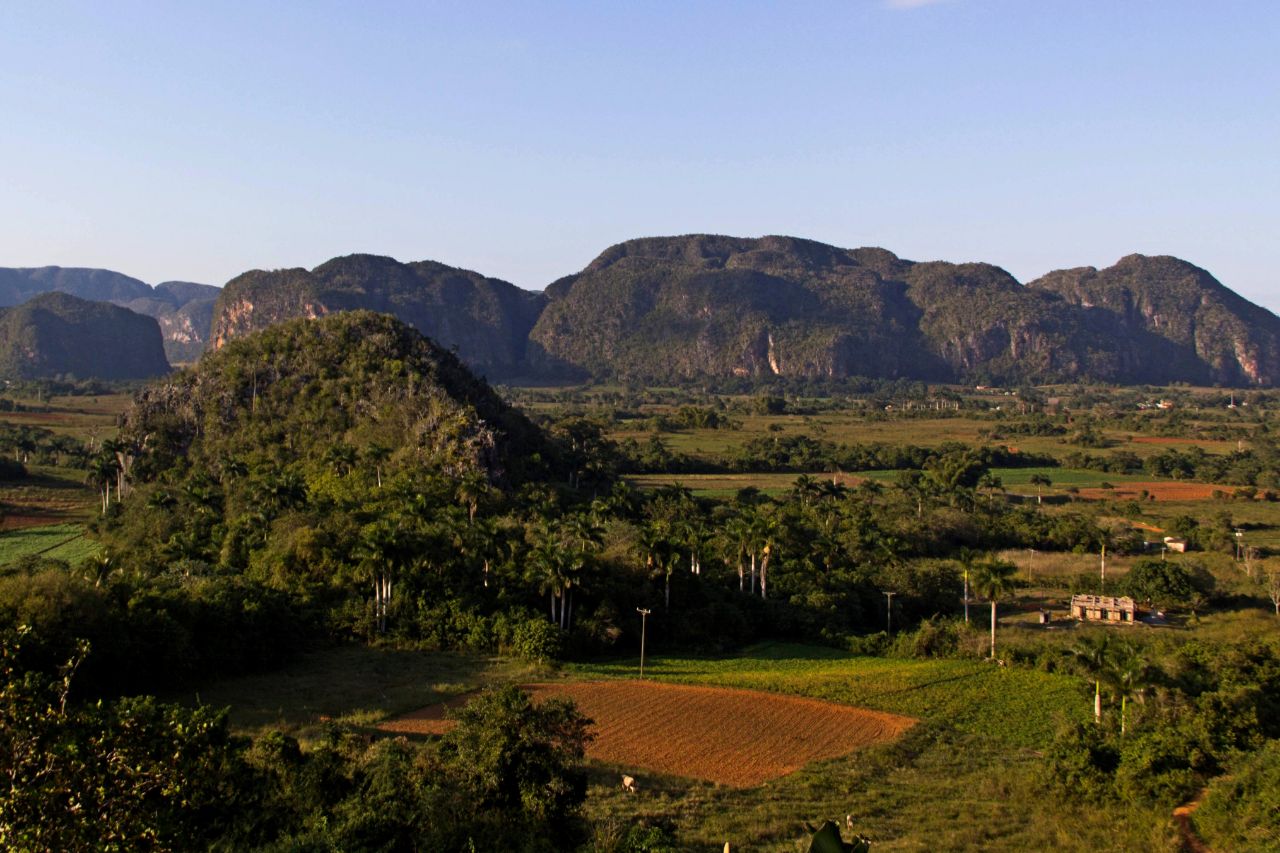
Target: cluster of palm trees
[
  {"x": 110, "y": 466},
  {"x": 1118, "y": 666}
]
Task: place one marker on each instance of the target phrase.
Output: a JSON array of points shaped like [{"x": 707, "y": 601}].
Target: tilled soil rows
[{"x": 739, "y": 738}]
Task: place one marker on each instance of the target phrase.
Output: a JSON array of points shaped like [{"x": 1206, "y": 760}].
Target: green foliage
[
  {"x": 1241, "y": 811},
  {"x": 1166, "y": 583},
  {"x": 512, "y": 756},
  {"x": 128, "y": 775}
]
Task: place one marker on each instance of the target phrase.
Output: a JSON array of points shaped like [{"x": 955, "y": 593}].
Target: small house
[
  {"x": 1103, "y": 608},
  {"x": 1176, "y": 543}
]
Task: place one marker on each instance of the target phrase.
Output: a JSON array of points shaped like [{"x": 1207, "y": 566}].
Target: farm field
[
  {"x": 680, "y": 729},
  {"x": 65, "y": 542},
  {"x": 967, "y": 776},
  {"x": 1015, "y": 481},
  {"x": 54, "y": 494},
  {"x": 48, "y": 495},
  {"x": 854, "y": 427},
  {"x": 964, "y": 778},
  {"x": 352, "y": 685},
  {"x": 77, "y": 416}
]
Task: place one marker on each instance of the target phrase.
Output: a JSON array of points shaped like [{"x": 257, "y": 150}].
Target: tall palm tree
[
  {"x": 1129, "y": 675},
  {"x": 1039, "y": 481},
  {"x": 661, "y": 554},
  {"x": 966, "y": 558},
  {"x": 375, "y": 455},
  {"x": 736, "y": 540},
  {"x": 1092, "y": 656},
  {"x": 764, "y": 532},
  {"x": 472, "y": 488},
  {"x": 993, "y": 580}
]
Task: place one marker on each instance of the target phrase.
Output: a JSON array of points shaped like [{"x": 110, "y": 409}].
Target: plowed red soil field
[{"x": 739, "y": 738}]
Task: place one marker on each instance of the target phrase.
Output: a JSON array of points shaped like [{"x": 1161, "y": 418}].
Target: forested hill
[
  {"x": 301, "y": 397},
  {"x": 665, "y": 309},
  {"x": 486, "y": 320},
  {"x": 184, "y": 310},
  {"x": 57, "y": 334}
]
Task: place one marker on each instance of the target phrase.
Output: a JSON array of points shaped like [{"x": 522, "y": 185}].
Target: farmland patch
[{"x": 740, "y": 738}]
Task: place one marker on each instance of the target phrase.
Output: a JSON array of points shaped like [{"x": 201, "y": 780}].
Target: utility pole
[
  {"x": 889, "y": 612},
  {"x": 644, "y": 622},
  {"x": 1239, "y": 542}
]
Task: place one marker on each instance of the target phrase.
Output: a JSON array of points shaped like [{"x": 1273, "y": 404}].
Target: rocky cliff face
[
  {"x": 712, "y": 307},
  {"x": 183, "y": 309},
  {"x": 720, "y": 306},
  {"x": 1213, "y": 334},
  {"x": 706, "y": 306},
  {"x": 486, "y": 320},
  {"x": 56, "y": 334}
]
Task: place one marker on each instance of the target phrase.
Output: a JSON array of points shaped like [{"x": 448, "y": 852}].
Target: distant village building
[
  {"x": 1103, "y": 608},
  {"x": 1176, "y": 543}
]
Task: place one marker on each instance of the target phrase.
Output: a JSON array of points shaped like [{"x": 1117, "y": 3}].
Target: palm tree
[
  {"x": 806, "y": 489},
  {"x": 1039, "y": 481},
  {"x": 1092, "y": 655},
  {"x": 736, "y": 540},
  {"x": 375, "y": 455},
  {"x": 102, "y": 470},
  {"x": 966, "y": 557},
  {"x": 582, "y": 532},
  {"x": 992, "y": 484},
  {"x": 472, "y": 488},
  {"x": 660, "y": 554},
  {"x": 383, "y": 547},
  {"x": 763, "y": 530},
  {"x": 993, "y": 579},
  {"x": 1129, "y": 675}
]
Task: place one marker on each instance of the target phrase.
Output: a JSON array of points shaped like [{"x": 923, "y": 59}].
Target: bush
[
  {"x": 1082, "y": 762},
  {"x": 535, "y": 640},
  {"x": 935, "y": 638},
  {"x": 1242, "y": 811}
]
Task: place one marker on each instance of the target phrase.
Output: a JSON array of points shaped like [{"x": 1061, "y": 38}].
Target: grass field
[
  {"x": 48, "y": 495},
  {"x": 854, "y": 427},
  {"x": 56, "y": 542},
  {"x": 352, "y": 685}
]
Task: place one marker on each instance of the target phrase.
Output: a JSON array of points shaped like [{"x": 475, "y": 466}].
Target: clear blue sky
[{"x": 198, "y": 140}]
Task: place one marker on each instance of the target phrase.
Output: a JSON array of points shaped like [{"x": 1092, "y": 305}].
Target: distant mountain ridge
[
  {"x": 709, "y": 307},
  {"x": 673, "y": 308},
  {"x": 56, "y": 334},
  {"x": 486, "y": 320},
  {"x": 184, "y": 310}
]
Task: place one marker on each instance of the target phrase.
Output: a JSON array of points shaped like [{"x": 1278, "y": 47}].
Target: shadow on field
[{"x": 924, "y": 684}]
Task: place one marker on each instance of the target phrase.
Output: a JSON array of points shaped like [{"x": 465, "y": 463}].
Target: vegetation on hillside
[{"x": 57, "y": 335}]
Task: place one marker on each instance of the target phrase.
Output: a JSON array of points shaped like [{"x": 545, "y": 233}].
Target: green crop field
[{"x": 56, "y": 542}]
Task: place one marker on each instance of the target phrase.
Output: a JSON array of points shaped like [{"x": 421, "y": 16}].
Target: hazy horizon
[{"x": 197, "y": 143}]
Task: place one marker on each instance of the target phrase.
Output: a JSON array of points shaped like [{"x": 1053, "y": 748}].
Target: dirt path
[{"x": 1191, "y": 842}]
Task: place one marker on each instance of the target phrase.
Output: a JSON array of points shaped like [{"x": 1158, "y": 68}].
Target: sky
[{"x": 195, "y": 141}]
